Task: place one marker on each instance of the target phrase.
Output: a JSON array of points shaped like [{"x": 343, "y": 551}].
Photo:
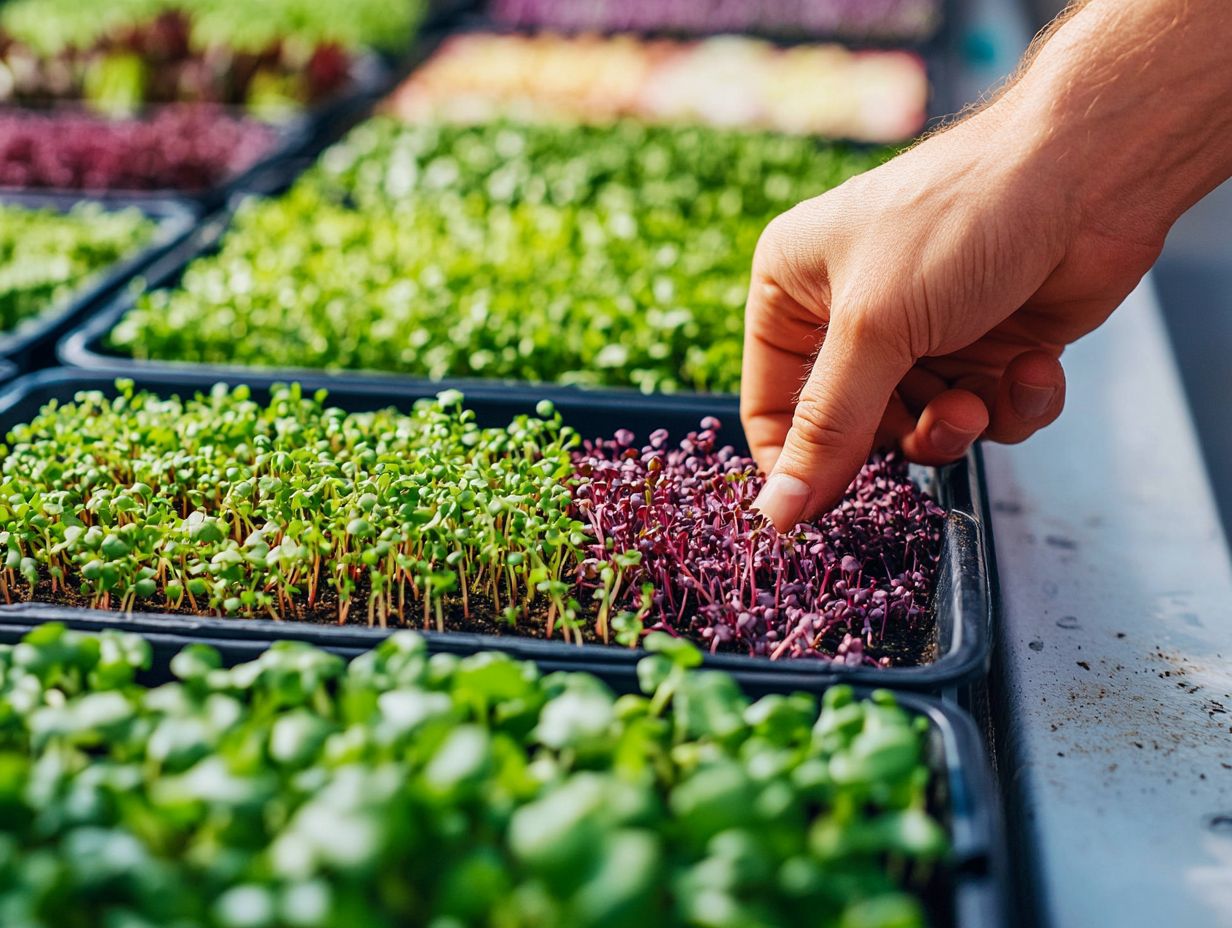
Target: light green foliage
[
  {"x": 220, "y": 503},
  {"x": 405, "y": 790},
  {"x": 614, "y": 255},
  {"x": 49, "y": 26},
  {"x": 46, "y": 255}
]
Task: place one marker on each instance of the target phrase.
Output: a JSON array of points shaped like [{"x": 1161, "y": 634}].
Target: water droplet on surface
[{"x": 1220, "y": 823}]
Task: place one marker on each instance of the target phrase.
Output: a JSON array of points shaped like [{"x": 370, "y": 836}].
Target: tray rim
[
  {"x": 960, "y": 489},
  {"x": 175, "y": 221},
  {"x": 977, "y": 861}
]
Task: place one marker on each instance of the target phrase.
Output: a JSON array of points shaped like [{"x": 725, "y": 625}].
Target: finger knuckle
[
  {"x": 800, "y": 237},
  {"x": 770, "y": 244},
  {"x": 822, "y": 425},
  {"x": 875, "y": 330},
  {"x": 749, "y": 410},
  {"x": 867, "y": 324}
]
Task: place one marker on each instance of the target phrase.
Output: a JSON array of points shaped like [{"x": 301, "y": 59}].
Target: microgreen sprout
[
  {"x": 46, "y": 255},
  {"x": 471, "y": 792},
  {"x": 675, "y": 538},
  {"x": 419, "y": 250}
]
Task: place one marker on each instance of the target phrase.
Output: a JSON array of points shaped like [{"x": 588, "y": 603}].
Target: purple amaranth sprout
[
  {"x": 676, "y": 525},
  {"x": 185, "y": 146},
  {"x": 901, "y": 20}
]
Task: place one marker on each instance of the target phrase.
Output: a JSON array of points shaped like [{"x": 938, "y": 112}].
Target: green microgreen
[
  {"x": 218, "y": 503},
  {"x": 52, "y": 26},
  {"x": 46, "y": 254},
  {"x": 608, "y": 255},
  {"x": 119, "y": 57},
  {"x": 405, "y": 789}
]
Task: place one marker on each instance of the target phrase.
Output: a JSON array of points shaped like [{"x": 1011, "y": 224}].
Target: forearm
[{"x": 1130, "y": 102}]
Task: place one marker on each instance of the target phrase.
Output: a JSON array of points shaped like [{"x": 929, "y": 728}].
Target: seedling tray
[
  {"x": 369, "y": 77},
  {"x": 962, "y": 602},
  {"x": 85, "y": 346},
  {"x": 968, "y": 890},
  {"x": 289, "y": 138},
  {"x": 946, "y": 26},
  {"x": 33, "y": 341},
  {"x": 938, "y": 52}
]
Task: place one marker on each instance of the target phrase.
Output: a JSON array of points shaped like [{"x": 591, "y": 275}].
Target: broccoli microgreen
[
  {"x": 220, "y": 504},
  {"x": 604, "y": 255},
  {"x": 467, "y": 792}
]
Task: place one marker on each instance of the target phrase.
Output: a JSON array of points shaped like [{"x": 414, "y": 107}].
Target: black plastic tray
[
  {"x": 84, "y": 347},
  {"x": 33, "y": 341},
  {"x": 7, "y": 372},
  {"x": 940, "y": 54},
  {"x": 290, "y": 138},
  {"x": 978, "y": 866},
  {"x": 965, "y": 798},
  {"x": 962, "y": 603},
  {"x": 938, "y": 37},
  {"x": 370, "y": 77}
]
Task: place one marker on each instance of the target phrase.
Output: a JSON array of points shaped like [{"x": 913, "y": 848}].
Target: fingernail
[
  {"x": 782, "y": 500},
  {"x": 1030, "y": 401},
  {"x": 949, "y": 441}
]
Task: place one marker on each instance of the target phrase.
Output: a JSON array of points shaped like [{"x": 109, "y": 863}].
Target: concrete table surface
[{"x": 1112, "y": 688}]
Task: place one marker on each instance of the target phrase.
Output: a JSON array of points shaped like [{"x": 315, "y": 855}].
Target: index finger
[{"x": 781, "y": 339}]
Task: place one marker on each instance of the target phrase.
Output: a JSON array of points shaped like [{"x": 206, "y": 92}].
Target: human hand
[{"x": 927, "y": 303}]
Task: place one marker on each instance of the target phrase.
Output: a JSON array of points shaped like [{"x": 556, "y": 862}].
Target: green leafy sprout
[
  {"x": 289, "y": 509},
  {"x": 602, "y": 256},
  {"x": 406, "y": 789},
  {"x": 52, "y": 26},
  {"x": 46, "y": 255},
  {"x": 295, "y": 509}
]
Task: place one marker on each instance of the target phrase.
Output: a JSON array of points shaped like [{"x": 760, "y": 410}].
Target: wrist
[{"x": 1125, "y": 109}]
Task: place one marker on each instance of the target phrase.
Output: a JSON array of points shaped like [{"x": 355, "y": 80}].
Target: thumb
[{"x": 834, "y": 423}]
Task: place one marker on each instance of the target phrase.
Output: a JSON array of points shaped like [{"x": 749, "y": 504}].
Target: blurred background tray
[{"x": 32, "y": 343}]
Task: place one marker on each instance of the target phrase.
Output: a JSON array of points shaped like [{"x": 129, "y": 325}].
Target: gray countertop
[{"x": 1112, "y": 689}]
